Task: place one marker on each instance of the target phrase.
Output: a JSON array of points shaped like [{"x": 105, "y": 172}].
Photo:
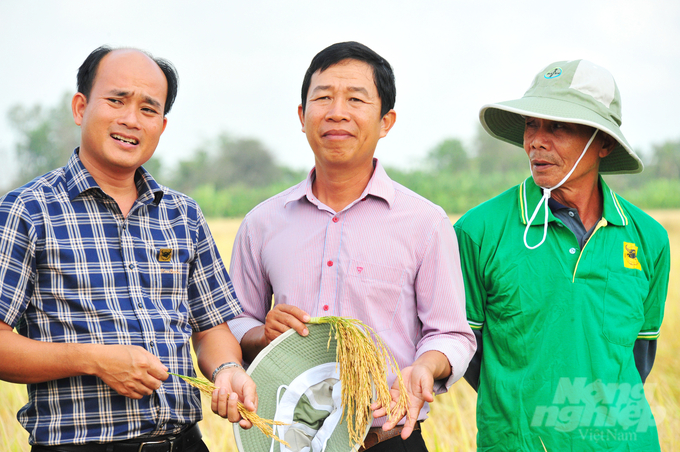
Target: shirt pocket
[
  {"x": 168, "y": 280},
  {"x": 623, "y": 314},
  {"x": 373, "y": 293}
]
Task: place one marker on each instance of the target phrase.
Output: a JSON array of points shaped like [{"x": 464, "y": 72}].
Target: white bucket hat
[
  {"x": 576, "y": 91},
  {"x": 298, "y": 383}
]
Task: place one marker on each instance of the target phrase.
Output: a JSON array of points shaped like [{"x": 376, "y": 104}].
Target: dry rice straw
[
  {"x": 264, "y": 425},
  {"x": 363, "y": 365}
]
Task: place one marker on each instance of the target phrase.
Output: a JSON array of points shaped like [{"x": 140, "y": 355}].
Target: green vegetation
[{"x": 229, "y": 176}]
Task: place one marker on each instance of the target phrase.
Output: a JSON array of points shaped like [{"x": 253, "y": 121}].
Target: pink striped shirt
[{"x": 390, "y": 259}]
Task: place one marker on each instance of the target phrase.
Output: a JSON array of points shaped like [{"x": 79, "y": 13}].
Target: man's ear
[
  {"x": 78, "y": 104},
  {"x": 301, "y": 115},
  {"x": 387, "y": 122},
  {"x": 608, "y": 145}
]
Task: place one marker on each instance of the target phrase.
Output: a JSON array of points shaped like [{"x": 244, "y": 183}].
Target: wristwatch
[{"x": 223, "y": 366}]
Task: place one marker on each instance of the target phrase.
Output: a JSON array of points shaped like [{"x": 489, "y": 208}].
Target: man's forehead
[
  {"x": 347, "y": 69},
  {"x": 124, "y": 66},
  {"x": 118, "y": 56}
]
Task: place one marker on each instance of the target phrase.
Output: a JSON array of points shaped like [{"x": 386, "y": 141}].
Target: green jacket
[{"x": 559, "y": 324}]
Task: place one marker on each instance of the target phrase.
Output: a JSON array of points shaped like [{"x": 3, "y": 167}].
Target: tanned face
[{"x": 122, "y": 119}]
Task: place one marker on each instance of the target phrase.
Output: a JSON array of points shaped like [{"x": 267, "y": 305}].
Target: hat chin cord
[{"x": 546, "y": 196}]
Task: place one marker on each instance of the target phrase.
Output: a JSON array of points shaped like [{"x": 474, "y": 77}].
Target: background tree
[
  {"x": 493, "y": 155},
  {"x": 47, "y": 137},
  {"x": 228, "y": 176},
  {"x": 448, "y": 156},
  {"x": 666, "y": 160},
  {"x": 226, "y": 162}
]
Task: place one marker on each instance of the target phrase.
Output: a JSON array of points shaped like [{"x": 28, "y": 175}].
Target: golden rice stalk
[
  {"x": 264, "y": 425},
  {"x": 364, "y": 360}
]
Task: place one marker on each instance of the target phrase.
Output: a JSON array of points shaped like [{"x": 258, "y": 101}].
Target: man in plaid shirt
[{"x": 106, "y": 275}]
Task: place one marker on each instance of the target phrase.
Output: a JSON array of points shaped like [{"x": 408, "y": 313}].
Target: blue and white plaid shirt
[{"x": 73, "y": 269}]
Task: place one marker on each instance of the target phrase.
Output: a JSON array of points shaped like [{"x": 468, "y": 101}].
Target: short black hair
[
  {"x": 88, "y": 71},
  {"x": 383, "y": 76}
]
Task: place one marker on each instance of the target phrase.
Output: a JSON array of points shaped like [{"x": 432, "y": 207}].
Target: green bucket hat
[
  {"x": 298, "y": 383},
  {"x": 576, "y": 91}
]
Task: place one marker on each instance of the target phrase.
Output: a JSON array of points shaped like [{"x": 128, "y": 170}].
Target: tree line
[{"x": 229, "y": 175}]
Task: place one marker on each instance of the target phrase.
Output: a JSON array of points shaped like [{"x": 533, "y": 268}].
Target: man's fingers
[
  {"x": 294, "y": 311},
  {"x": 426, "y": 388},
  {"x": 406, "y": 431},
  {"x": 219, "y": 402},
  {"x": 232, "y": 408},
  {"x": 250, "y": 396},
  {"x": 284, "y": 317},
  {"x": 131, "y": 370},
  {"x": 245, "y": 424},
  {"x": 159, "y": 372}
]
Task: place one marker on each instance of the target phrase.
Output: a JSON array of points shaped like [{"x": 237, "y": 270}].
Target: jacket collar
[{"x": 530, "y": 195}]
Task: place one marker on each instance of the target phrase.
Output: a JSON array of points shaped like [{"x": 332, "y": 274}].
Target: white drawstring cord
[
  {"x": 546, "y": 196},
  {"x": 278, "y": 398}
]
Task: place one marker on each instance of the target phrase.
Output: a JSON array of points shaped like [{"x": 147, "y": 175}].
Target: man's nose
[
  {"x": 130, "y": 117},
  {"x": 539, "y": 138},
  {"x": 338, "y": 111}
]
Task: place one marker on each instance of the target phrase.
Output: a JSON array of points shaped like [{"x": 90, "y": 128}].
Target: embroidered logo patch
[
  {"x": 556, "y": 72},
  {"x": 630, "y": 260},
  {"x": 164, "y": 255}
]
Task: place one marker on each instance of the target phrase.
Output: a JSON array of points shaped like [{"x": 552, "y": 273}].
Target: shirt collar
[
  {"x": 79, "y": 180},
  {"x": 380, "y": 185},
  {"x": 530, "y": 195}
]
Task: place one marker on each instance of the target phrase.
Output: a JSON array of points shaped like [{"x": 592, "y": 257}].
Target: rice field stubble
[{"x": 451, "y": 426}]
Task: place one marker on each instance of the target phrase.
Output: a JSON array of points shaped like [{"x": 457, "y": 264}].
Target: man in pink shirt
[{"x": 350, "y": 242}]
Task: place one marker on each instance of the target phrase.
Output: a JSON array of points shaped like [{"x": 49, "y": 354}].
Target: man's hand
[
  {"x": 282, "y": 318},
  {"x": 419, "y": 383},
  {"x": 130, "y": 370},
  {"x": 233, "y": 385},
  {"x": 279, "y": 320}
]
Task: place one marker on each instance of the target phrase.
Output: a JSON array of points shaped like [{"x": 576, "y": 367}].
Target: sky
[{"x": 241, "y": 63}]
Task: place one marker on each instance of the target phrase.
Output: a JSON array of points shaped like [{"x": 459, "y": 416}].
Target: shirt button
[
  {"x": 329, "y": 263},
  {"x": 572, "y": 250},
  {"x": 325, "y": 307},
  {"x": 571, "y": 214},
  {"x": 140, "y": 305},
  {"x": 131, "y": 266},
  {"x": 335, "y": 219},
  {"x": 151, "y": 344}
]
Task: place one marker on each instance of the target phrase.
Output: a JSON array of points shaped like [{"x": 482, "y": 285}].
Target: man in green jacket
[{"x": 565, "y": 280}]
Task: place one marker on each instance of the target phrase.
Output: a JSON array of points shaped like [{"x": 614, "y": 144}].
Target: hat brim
[
  {"x": 284, "y": 359},
  {"x": 505, "y": 121}
]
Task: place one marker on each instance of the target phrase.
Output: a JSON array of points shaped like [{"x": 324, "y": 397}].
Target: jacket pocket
[{"x": 623, "y": 313}]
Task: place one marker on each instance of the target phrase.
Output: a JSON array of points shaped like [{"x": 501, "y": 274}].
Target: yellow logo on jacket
[{"x": 630, "y": 260}]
